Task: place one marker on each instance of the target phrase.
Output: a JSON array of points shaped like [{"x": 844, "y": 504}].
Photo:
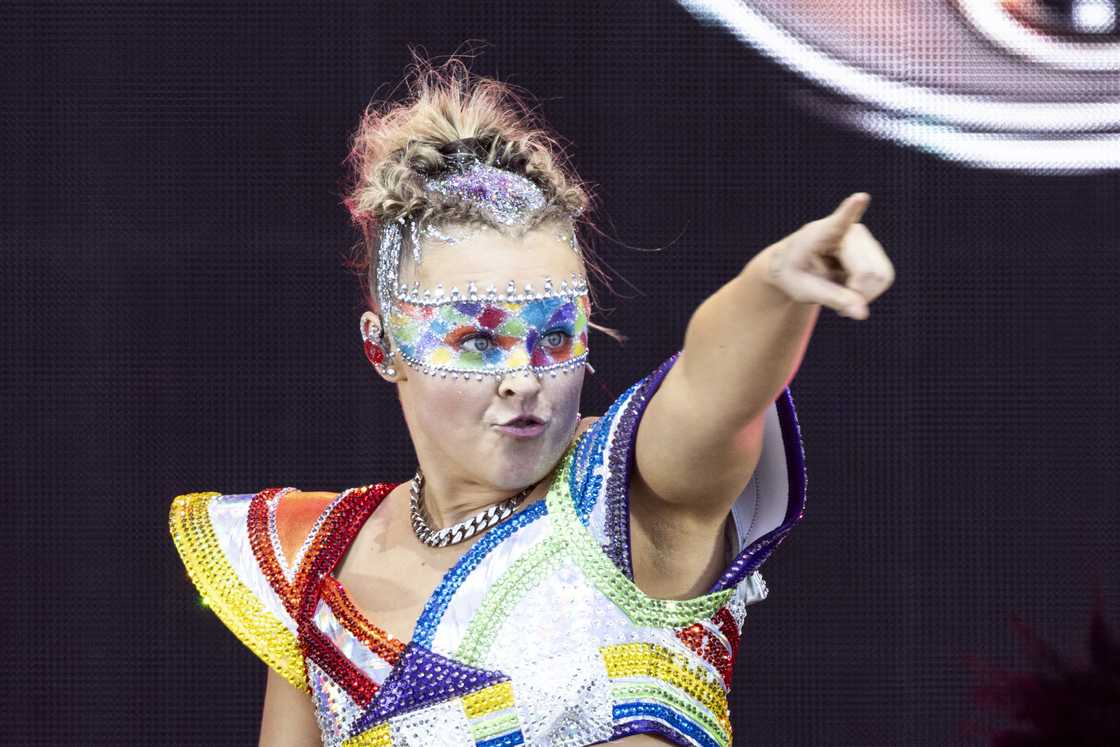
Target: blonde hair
[{"x": 397, "y": 145}]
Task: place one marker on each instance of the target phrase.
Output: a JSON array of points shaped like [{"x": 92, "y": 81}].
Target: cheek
[
  {"x": 565, "y": 394},
  {"x": 571, "y": 389},
  {"x": 448, "y": 406}
]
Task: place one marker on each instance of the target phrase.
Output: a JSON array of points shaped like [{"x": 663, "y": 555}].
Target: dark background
[{"x": 177, "y": 318}]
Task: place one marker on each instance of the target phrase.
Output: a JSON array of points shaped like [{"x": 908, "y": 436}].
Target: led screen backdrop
[{"x": 179, "y": 319}]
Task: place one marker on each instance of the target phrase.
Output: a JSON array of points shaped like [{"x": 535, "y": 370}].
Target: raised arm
[{"x": 700, "y": 438}]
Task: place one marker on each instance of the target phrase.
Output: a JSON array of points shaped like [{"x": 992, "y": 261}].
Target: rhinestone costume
[{"x": 491, "y": 663}]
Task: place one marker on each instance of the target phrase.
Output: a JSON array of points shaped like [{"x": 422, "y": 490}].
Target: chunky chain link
[{"x": 465, "y": 529}]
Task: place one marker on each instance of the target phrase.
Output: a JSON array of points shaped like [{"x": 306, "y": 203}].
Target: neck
[{"x": 447, "y": 501}]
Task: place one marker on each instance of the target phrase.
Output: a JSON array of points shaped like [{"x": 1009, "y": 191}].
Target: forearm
[{"x": 744, "y": 344}]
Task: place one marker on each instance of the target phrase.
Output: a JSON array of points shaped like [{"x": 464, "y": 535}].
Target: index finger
[{"x": 835, "y": 225}]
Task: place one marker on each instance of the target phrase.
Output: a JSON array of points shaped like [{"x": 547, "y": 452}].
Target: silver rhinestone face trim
[
  {"x": 505, "y": 197},
  {"x": 574, "y": 286},
  {"x": 389, "y": 263}
]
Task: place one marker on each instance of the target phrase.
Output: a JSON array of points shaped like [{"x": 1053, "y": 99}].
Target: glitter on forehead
[{"x": 505, "y": 197}]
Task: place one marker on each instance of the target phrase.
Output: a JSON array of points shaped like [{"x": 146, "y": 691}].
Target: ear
[
  {"x": 379, "y": 348},
  {"x": 370, "y": 325}
]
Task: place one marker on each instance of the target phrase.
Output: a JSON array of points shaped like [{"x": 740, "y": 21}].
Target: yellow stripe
[
  {"x": 234, "y": 604},
  {"x": 378, "y": 736},
  {"x": 488, "y": 699},
  {"x": 652, "y": 660}
]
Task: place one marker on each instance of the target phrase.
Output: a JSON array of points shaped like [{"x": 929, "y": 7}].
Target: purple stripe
[
  {"x": 620, "y": 456},
  {"x": 755, "y": 554},
  {"x": 422, "y": 678},
  {"x": 649, "y": 726}
]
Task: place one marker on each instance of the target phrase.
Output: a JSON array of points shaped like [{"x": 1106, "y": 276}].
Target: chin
[{"x": 524, "y": 469}]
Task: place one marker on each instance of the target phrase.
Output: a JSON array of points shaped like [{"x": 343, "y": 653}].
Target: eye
[
  {"x": 556, "y": 338},
  {"x": 483, "y": 339}
]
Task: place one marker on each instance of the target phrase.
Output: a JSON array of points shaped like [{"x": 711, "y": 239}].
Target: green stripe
[
  {"x": 504, "y": 594},
  {"x": 569, "y": 538},
  {"x": 493, "y": 724},
  {"x": 641, "y": 608}
]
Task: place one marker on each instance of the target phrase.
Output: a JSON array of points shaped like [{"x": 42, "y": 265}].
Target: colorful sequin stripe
[
  {"x": 616, "y": 524},
  {"x": 642, "y": 701},
  {"x": 716, "y": 641},
  {"x": 525, "y": 573},
  {"x": 378, "y": 736},
  {"x": 641, "y": 608},
  {"x": 291, "y": 588},
  {"x": 706, "y": 703},
  {"x": 491, "y": 720},
  {"x": 643, "y": 717},
  {"x": 337, "y": 532},
  {"x": 223, "y": 592},
  {"x": 731, "y": 627},
  {"x": 491, "y": 716},
  {"x": 589, "y": 454},
  {"x": 374, "y": 638}
]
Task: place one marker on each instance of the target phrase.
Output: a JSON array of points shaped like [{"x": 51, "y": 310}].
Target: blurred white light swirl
[
  {"x": 1017, "y": 34},
  {"x": 925, "y": 75}
]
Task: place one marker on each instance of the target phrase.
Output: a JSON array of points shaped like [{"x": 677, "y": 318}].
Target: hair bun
[{"x": 463, "y": 150}]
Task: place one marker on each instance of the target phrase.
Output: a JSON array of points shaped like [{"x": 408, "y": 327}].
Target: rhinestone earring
[{"x": 376, "y": 353}]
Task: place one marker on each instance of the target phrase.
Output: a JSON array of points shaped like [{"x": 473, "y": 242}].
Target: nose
[{"x": 526, "y": 382}]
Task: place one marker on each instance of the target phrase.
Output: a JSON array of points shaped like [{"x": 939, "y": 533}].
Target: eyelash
[{"x": 486, "y": 336}]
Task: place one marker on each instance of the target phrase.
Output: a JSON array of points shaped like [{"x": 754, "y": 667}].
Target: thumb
[{"x": 805, "y": 287}]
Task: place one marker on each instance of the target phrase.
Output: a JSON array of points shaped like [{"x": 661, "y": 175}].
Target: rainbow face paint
[
  {"x": 489, "y": 336},
  {"x": 471, "y": 333}
]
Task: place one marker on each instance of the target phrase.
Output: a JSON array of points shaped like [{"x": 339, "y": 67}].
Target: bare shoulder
[
  {"x": 297, "y": 516},
  {"x": 304, "y": 495}
]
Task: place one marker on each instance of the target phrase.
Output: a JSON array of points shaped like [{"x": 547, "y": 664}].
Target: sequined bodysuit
[{"x": 491, "y": 663}]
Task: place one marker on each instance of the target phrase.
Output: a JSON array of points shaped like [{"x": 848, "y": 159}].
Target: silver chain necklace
[{"x": 465, "y": 529}]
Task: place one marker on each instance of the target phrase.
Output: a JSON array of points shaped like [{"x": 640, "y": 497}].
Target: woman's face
[{"x": 454, "y": 421}]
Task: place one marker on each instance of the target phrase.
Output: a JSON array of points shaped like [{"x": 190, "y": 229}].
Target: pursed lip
[
  {"x": 523, "y": 427},
  {"x": 524, "y": 420}
]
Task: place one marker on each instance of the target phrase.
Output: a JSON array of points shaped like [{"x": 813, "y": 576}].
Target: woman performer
[{"x": 542, "y": 579}]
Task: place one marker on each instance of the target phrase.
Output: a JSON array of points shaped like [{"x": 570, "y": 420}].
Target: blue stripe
[
  {"x": 441, "y": 597},
  {"x": 507, "y": 740},
  {"x": 592, "y": 456},
  {"x": 681, "y": 723}
]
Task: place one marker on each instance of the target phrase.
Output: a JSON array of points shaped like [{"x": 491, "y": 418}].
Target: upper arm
[
  {"x": 288, "y": 716},
  {"x": 689, "y": 469},
  {"x": 690, "y": 460},
  {"x": 673, "y": 549}
]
